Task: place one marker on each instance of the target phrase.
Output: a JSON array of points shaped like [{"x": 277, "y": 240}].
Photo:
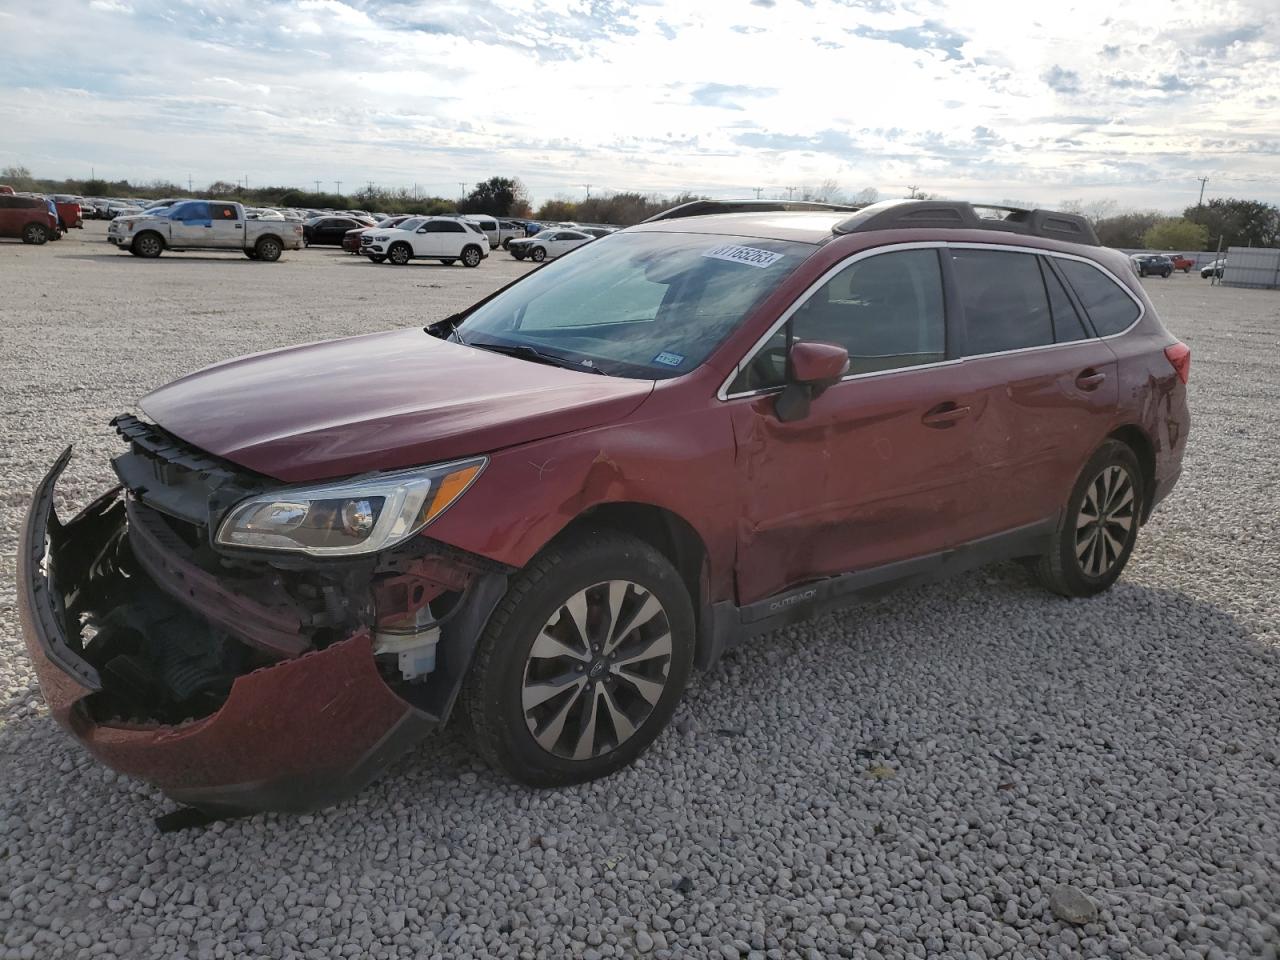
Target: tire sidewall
[
  {"x": 397, "y": 250},
  {"x": 537, "y": 255},
  {"x": 268, "y": 250},
  {"x": 471, "y": 257},
  {"x": 580, "y": 566},
  {"x": 1112, "y": 453}
]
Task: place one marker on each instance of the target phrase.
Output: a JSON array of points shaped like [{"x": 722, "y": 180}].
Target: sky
[{"x": 1028, "y": 101}]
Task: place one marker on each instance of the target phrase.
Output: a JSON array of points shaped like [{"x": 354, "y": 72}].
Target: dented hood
[{"x": 380, "y": 402}]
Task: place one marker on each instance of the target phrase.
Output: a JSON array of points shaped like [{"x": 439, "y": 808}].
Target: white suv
[{"x": 429, "y": 238}]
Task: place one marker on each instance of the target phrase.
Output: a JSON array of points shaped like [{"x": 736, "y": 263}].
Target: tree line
[{"x": 1230, "y": 221}]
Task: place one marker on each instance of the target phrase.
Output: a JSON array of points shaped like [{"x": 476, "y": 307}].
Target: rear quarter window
[{"x": 1109, "y": 306}]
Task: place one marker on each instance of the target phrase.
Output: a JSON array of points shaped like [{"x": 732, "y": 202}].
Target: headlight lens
[{"x": 352, "y": 517}]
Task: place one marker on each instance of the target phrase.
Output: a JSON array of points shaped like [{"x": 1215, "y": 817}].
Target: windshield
[
  {"x": 413, "y": 223},
  {"x": 648, "y": 305}
]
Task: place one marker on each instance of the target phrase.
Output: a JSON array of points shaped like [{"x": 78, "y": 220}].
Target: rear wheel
[
  {"x": 471, "y": 257},
  {"x": 583, "y": 661},
  {"x": 36, "y": 233},
  {"x": 148, "y": 245},
  {"x": 268, "y": 249},
  {"x": 400, "y": 254},
  {"x": 538, "y": 254},
  {"x": 1167, "y": 274},
  {"x": 1099, "y": 527}
]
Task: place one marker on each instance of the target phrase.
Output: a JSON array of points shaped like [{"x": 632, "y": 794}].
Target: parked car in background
[
  {"x": 354, "y": 241},
  {"x": 599, "y": 232},
  {"x": 204, "y": 225},
  {"x": 1152, "y": 264},
  {"x": 326, "y": 231},
  {"x": 28, "y": 219},
  {"x": 162, "y": 203},
  {"x": 1182, "y": 262},
  {"x": 70, "y": 214},
  {"x": 542, "y": 512},
  {"x": 117, "y": 208},
  {"x": 548, "y": 244},
  {"x": 6, "y": 190},
  {"x": 436, "y": 238},
  {"x": 1214, "y": 269}
]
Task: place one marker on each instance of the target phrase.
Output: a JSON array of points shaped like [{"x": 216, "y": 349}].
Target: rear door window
[
  {"x": 223, "y": 211},
  {"x": 1067, "y": 326},
  {"x": 1005, "y": 303},
  {"x": 1110, "y": 308}
]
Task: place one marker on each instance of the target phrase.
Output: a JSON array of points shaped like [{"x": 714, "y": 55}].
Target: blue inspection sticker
[{"x": 669, "y": 359}]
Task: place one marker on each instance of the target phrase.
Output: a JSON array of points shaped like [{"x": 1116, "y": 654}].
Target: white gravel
[{"x": 915, "y": 778}]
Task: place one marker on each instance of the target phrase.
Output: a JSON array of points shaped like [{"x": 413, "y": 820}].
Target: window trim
[{"x": 785, "y": 316}]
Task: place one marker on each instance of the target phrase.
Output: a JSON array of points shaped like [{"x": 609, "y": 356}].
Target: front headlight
[
  {"x": 382, "y": 239},
  {"x": 352, "y": 517}
]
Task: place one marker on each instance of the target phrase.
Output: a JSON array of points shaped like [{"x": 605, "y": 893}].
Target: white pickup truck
[{"x": 204, "y": 225}]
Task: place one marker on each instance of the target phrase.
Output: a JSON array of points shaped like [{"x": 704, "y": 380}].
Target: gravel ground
[{"x": 919, "y": 777}]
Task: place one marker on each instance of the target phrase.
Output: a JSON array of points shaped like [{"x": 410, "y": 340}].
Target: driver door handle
[{"x": 945, "y": 414}]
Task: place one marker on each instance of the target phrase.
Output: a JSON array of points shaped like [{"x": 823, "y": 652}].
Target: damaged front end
[{"x": 235, "y": 679}]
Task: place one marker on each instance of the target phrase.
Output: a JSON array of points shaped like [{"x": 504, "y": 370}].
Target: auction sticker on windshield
[{"x": 751, "y": 256}]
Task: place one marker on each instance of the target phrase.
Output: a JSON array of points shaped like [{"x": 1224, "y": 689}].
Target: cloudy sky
[{"x": 981, "y": 99}]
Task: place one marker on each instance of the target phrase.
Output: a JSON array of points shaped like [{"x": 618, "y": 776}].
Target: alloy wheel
[
  {"x": 596, "y": 670},
  {"x": 1105, "y": 521}
]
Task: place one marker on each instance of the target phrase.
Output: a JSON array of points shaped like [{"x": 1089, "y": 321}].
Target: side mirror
[
  {"x": 421, "y": 230},
  {"x": 813, "y": 367}
]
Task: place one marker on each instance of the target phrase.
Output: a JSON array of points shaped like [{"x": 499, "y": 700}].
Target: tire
[
  {"x": 449, "y": 262},
  {"x": 518, "y": 254},
  {"x": 1167, "y": 274},
  {"x": 268, "y": 249},
  {"x": 1186, "y": 269},
  {"x": 531, "y": 638},
  {"x": 1083, "y": 558},
  {"x": 538, "y": 254},
  {"x": 400, "y": 254},
  {"x": 377, "y": 257},
  {"x": 148, "y": 245},
  {"x": 506, "y": 244},
  {"x": 471, "y": 256},
  {"x": 35, "y": 233},
  {"x": 251, "y": 254}
]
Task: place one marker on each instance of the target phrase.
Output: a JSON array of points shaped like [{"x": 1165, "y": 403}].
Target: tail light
[{"x": 1179, "y": 357}]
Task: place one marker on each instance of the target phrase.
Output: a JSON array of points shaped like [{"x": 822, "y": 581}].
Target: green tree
[
  {"x": 495, "y": 196},
  {"x": 1243, "y": 223},
  {"x": 558, "y": 209},
  {"x": 1174, "y": 234},
  {"x": 1126, "y": 229}
]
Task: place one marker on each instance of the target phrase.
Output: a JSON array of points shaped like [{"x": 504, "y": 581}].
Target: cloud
[
  {"x": 726, "y": 96},
  {"x": 1061, "y": 80},
  {"x": 929, "y": 35}
]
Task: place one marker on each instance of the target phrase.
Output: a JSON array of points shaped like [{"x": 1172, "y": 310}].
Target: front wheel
[
  {"x": 471, "y": 257},
  {"x": 518, "y": 254},
  {"x": 583, "y": 661},
  {"x": 538, "y": 254},
  {"x": 1099, "y": 527},
  {"x": 148, "y": 245},
  {"x": 400, "y": 254}
]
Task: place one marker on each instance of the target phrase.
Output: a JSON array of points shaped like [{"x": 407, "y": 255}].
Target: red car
[
  {"x": 69, "y": 213},
  {"x": 1182, "y": 263},
  {"x": 27, "y": 218},
  {"x": 544, "y": 511}
]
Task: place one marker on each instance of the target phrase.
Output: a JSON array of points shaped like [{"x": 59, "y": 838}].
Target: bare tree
[{"x": 866, "y": 195}]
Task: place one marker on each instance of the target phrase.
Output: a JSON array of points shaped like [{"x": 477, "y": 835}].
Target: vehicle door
[
  {"x": 428, "y": 239},
  {"x": 190, "y": 225},
  {"x": 453, "y": 236},
  {"x": 11, "y": 217},
  {"x": 228, "y": 228},
  {"x": 1047, "y": 385},
  {"x": 883, "y": 467}
]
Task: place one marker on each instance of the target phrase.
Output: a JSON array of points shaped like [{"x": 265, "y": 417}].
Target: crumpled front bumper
[{"x": 295, "y": 735}]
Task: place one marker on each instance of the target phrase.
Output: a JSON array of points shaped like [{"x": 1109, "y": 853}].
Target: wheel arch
[
  {"x": 1137, "y": 440},
  {"x": 269, "y": 236}
]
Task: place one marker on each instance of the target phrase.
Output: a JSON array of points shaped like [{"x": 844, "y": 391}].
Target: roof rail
[
  {"x": 959, "y": 215},
  {"x": 698, "y": 208}
]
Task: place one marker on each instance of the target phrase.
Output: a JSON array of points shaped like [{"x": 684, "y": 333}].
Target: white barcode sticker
[{"x": 751, "y": 256}]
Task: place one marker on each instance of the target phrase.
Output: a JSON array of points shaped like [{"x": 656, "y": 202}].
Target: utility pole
[
  {"x": 790, "y": 191},
  {"x": 1203, "y": 181},
  {"x": 758, "y": 190},
  {"x": 338, "y": 184},
  {"x": 911, "y": 191},
  {"x": 317, "y": 186},
  {"x": 190, "y": 188},
  {"x": 246, "y": 183},
  {"x": 587, "y": 187},
  {"x": 462, "y": 188}
]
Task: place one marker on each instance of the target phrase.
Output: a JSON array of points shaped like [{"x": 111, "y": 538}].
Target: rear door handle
[
  {"x": 1090, "y": 379},
  {"x": 945, "y": 414}
]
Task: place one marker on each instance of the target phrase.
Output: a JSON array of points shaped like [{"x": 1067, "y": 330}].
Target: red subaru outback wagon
[{"x": 544, "y": 511}]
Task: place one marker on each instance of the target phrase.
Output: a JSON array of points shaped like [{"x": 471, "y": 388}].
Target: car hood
[{"x": 380, "y": 402}]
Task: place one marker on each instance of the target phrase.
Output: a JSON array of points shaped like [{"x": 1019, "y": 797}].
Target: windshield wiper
[{"x": 526, "y": 352}]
